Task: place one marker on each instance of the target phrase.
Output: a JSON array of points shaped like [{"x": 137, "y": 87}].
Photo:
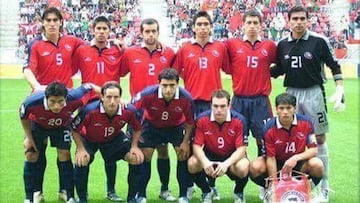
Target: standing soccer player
[
  {"x": 98, "y": 127},
  {"x": 300, "y": 57},
  {"x": 199, "y": 63},
  {"x": 168, "y": 117},
  {"x": 250, "y": 60},
  {"x": 219, "y": 147},
  {"x": 48, "y": 115},
  {"x": 50, "y": 60},
  {"x": 144, "y": 63},
  {"x": 98, "y": 63}
]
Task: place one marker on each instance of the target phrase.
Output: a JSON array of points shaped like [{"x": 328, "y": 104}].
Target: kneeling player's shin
[
  {"x": 240, "y": 184},
  {"x": 259, "y": 180}
]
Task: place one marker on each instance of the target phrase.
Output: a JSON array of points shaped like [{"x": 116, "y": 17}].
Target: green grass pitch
[{"x": 343, "y": 142}]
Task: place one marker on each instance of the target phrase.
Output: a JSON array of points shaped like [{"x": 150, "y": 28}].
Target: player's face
[
  {"x": 52, "y": 24},
  {"x": 202, "y": 28},
  {"x": 168, "y": 88},
  {"x": 286, "y": 113},
  {"x": 111, "y": 100},
  {"x": 101, "y": 32},
  {"x": 252, "y": 26},
  {"x": 150, "y": 34},
  {"x": 298, "y": 22},
  {"x": 220, "y": 107},
  {"x": 56, "y": 103}
]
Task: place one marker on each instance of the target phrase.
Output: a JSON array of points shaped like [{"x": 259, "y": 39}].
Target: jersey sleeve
[
  {"x": 79, "y": 92},
  {"x": 178, "y": 62},
  {"x": 269, "y": 144},
  {"x": 76, "y": 58},
  {"x": 199, "y": 138},
  {"x": 189, "y": 113},
  {"x": 134, "y": 119},
  {"x": 225, "y": 61},
  {"x": 32, "y": 60},
  {"x": 124, "y": 64},
  {"x": 328, "y": 56},
  {"x": 32, "y": 100}
]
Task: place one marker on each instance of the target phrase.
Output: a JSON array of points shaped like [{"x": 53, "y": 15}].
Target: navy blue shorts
[
  {"x": 112, "y": 150},
  {"x": 152, "y": 137},
  {"x": 255, "y": 109},
  {"x": 298, "y": 166},
  {"x": 201, "y": 106},
  {"x": 59, "y": 138}
]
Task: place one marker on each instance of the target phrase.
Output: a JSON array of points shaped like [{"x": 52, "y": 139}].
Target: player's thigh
[
  {"x": 313, "y": 165},
  {"x": 240, "y": 168},
  {"x": 162, "y": 151},
  {"x": 194, "y": 164},
  {"x": 260, "y": 111},
  {"x": 258, "y": 166}
]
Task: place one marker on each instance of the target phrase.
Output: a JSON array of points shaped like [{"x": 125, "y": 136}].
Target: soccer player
[
  {"x": 144, "y": 63},
  {"x": 300, "y": 57},
  {"x": 98, "y": 63},
  {"x": 219, "y": 147},
  {"x": 250, "y": 60},
  {"x": 290, "y": 141},
  {"x": 48, "y": 114},
  {"x": 49, "y": 60},
  {"x": 98, "y": 127},
  {"x": 199, "y": 63},
  {"x": 168, "y": 117}
]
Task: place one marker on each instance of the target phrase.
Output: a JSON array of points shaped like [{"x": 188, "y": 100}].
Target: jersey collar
[
  {"x": 143, "y": 45},
  {"x": 193, "y": 41},
  {"x": 46, "y": 106},
  {"x": 228, "y": 116},
  {"x": 43, "y": 37},
  {"x": 177, "y": 93},
  {"x": 304, "y": 37},
  {"x": 102, "y": 109},
  {"x": 278, "y": 124},
  {"x": 92, "y": 43},
  {"x": 245, "y": 38}
]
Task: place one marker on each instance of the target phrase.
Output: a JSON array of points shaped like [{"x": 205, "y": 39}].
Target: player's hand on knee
[
  {"x": 136, "y": 156},
  {"x": 82, "y": 158},
  {"x": 221, "y": 169},
  {"x": 29, "y": 145},
  {"x": 210, "y": 169},
  {"x": 338, "y": 98},
  {"x": 289, "y": 165},
  {"x": 184, "y": 150}
]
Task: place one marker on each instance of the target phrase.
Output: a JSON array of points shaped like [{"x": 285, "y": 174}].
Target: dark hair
[
  {"x": 149, "y": 21},
  {"x": 101, "y": 19},
  {"x": 285, "y": 98},
  {"x": 169, "y": 74},
  {"x": 296, "y": 9},
  {"x": 202, "y": 14},
  {"x": 221, "y": 94},
  {"x": 52, "y": 10},
  {"x": 56, "y": 89},
  {"x": 252, "y": 13},
  {"x": 110, "y": 84}
]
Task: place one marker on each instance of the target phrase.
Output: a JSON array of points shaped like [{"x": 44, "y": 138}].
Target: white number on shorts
[
  {"x": 108, "y": 131},
  {"x": 55, "y": 121},
  {"x": 252, "y": 61},
  {"x": 203, "y": 62},
  {"x": 322, "y": 117},
  {"x": 296, "y": 62},
  {"x": 290, "y": 147},
  {"x": 221, "y": 142},
  {"x": 151, "y": 69},
  {"x": 165, "y": 116},
  {"x": 67, "y": 136},
  {"x": 100, "y": 67},
  {"x": 59, "y": 60}
]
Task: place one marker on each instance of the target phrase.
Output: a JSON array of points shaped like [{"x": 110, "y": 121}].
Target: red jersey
[
  {"x": 162, "y": 114},
  {"x": 200, "y": 67},
  {"x": 98, "y": 65},
  {"x": 99, "y": 127},
  {"x": 250, "y": 66},
  {"x": 221, "y": 140},
  {"x": 144, "y": 67},
  {"x": 282, "y": 143},
  {"x": 53, "y": 62},
  {"x": 35, "y": 109}
]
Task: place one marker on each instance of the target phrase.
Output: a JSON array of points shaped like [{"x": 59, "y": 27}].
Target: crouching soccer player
[
  {"x": 286, "y": 138},
  {"x": 219, "y": 147},
  {"x": 48, "y": 114},
  {"x": 98, "y": 127}
]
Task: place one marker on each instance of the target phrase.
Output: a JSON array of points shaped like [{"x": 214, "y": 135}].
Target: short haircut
[
  {"x": 221, "y": 94},
  {"x": 56, "y": 89},
  {"x": 296, "y": 9},
  {"x": 169, "y": 74},
  {"x": 109, "y": 85},
  {"x": 202, "y": 14},
  {"x": 285, "y": 98},
  {"x": 252, "y": 13},
  {"x": 101, "y": 19},
  {"x": 52, "y": 10},
  {"x": 149, "y": 21}
]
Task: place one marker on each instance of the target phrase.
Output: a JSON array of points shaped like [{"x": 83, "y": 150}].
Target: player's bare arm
[
  {"x": 223, "y": 167},
  {"x": 292, "y": 161},
  {"x": 185, "y": 145},
  {"x": 135, "y": 150},
  {"x": 82, "y": 157},
  {"x": 29, "y": 143},
  {"x": 206, "y": 164}
]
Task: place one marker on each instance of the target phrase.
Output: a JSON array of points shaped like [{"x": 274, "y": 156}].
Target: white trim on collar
[
  {"x": 46, "y": 106},
  {"x": 177, "y": 93},
  {"x": 102, "y": 109},
  {"x": 193, "y": 41},
  {"x": 228, "y": 116},
  {"x": 278, "y": 124},
  {"x": 92, "y": 43},
  {"x": 245, "y": 38}
]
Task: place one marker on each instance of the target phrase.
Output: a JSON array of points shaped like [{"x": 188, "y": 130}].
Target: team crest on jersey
[
  {"x": 308, "y": 55},
  {"x": 191, "y": 55},
  {"x": 46, "y": 53},
  {"x": 215, "y": 53},
  {"x": 68, "y": 47},
  {"x": 300, "y": 135},
  {"x": 178, "y": 109},
  {"x": 137, "y": 61},
  {"x": 163, "y": 59},
  {"x": 264, "y": 52},
  {"x": 87, "y": 59},
  {"x": 239, "y": 51},
  {"x": 231, "y": 132},
  {"x": 112, "y": 58}
]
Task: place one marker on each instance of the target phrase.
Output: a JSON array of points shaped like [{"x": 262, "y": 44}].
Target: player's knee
[
  {"x": 193, "y": 165},
  {"x": 320, "y": 139},
  {"x": 162, "y": 151},
  {"x": 316, "y": 167},
  {"x": 63, "y": 154},
  {"x": 31, "y": 156},
  {"x": 258, "y": 167},
  {"x": 241, "y": 168}
]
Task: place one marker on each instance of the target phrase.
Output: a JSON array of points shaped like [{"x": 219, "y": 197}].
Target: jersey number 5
[{"x": 59, "y": 60}]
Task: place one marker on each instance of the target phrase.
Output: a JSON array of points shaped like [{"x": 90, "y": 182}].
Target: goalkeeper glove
[{"x": 338, "y": 98}]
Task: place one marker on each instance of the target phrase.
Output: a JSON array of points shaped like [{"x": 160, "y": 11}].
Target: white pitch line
[{"x": 8, "y": 110}]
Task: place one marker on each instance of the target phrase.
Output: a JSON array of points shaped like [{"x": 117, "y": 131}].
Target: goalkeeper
[{"x": 300, "y": 57}]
